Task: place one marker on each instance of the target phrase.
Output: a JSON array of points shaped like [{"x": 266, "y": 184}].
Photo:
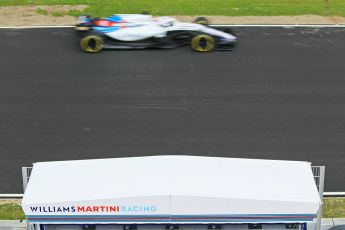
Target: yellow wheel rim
[
  {"x": 203, "y": 43},
  {"x": 91, "y": 44}
]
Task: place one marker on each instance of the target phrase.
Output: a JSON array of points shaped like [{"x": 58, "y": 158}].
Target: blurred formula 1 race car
[{"x": 140, "y": 31}]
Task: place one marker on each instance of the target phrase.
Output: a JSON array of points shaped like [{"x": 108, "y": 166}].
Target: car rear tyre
[
  {"x": 203, "y": 43},
  {"x": 92, "y": 44},
  {"x": 201, "y": 20}
]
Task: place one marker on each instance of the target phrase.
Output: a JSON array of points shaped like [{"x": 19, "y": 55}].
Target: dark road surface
[{"x": 281, "y": 95}]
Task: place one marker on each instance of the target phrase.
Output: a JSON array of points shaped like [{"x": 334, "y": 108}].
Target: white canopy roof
[{"x": 182, "y": 184}]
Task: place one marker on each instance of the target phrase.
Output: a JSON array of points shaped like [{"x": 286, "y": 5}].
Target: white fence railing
[
  {"x": 319, "y": 177},
  {"x": 26, "y": 173}
]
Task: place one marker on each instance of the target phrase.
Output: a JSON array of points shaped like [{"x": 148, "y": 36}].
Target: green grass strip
[
  {"x": 11, "y": 211},
  {"x": 333, "y": 208},
  {"x": 200, "y": 7}
]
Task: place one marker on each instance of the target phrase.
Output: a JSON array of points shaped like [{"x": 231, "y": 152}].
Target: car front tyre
[
  {"x": 203, "y": 43},
  {"x": 92, "y": 44}
]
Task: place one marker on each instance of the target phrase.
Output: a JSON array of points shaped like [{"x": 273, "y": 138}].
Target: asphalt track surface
[{"x": 280, "y": 95}]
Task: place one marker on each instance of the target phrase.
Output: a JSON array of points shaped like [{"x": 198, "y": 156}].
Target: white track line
[
  {"x": 218, "y": 25},
  {"x": 283, "y": 25},
  {"x": 334, "y": 193},
  {"x": 33, "y": 27},
  {"x": 11, "y": 196}
]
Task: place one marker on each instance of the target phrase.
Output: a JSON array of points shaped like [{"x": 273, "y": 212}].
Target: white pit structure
[{"x": 171, "y": 192}]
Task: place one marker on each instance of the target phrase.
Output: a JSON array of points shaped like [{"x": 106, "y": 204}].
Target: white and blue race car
[{"x": 140, "y": 31}]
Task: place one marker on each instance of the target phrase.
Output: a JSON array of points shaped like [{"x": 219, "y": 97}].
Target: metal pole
[{"x": 321, "y": 188}]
